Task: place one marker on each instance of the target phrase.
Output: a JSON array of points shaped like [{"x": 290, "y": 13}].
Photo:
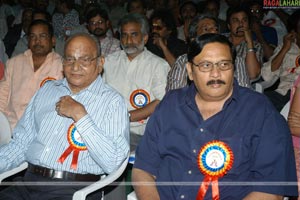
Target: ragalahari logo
[{"x": 281, "y": 4}]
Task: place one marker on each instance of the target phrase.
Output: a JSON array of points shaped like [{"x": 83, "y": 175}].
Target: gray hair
[
  {"x": 87, "y": 35},
  {"x": 193, "y": 27},
  {"x": 136, "y": 18}
]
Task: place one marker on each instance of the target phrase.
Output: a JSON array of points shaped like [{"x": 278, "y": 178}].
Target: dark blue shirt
[{"x": 257, "y": 134}]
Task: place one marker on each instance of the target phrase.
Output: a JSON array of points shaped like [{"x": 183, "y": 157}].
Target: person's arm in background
[
  {"x": 144, "y": 112},
  {"x": 162, "y": 44},
  {"x": 262, "y": 195},
  {"x": 294, "y": 113},
  {"x": 252, "y": 63},
  {"x": 146, "y": 190},
  {"x": 287, "y": 42}
]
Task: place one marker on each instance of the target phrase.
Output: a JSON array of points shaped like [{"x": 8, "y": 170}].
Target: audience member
[
  {"x": 213, "y": 7},
  {"x": 22, "y": 44},
  {"x": 26, "y": 72},
  {"x": 284, "y": 64},
  {"x": 65, "y": 19},
  {"x": 2, "y": 68},
  {"x": 18, "y": 31},
  {"x": 188, "y": 10},
  {"x": 177, "y": 76},
  {"x": 265, "y": 35},
  {"x": 99, "y": 25},
  {"x": 294, "y": 124},
  {"x": 116, "y": 12},
  {"x": 81, "y": 107},
  {"x": 249, "y": 53},
  {"x": 273, "y": 20},
  {"x": 3, "y": 55},
  {"x": 136, "y": 73},
  {"x": 217, "y": 133},
  {"x": 7, "y": 17},
  {"x": 136, "y": 6},
  {"x": 163, "y": 41}
]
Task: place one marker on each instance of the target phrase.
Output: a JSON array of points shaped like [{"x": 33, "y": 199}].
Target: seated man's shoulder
[
  {"x": 154, "y": 58},
  {"x": 254, "y": 100}
]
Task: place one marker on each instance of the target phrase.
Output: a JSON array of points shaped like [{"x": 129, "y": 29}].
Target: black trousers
[{"x": 36, "y": 187}]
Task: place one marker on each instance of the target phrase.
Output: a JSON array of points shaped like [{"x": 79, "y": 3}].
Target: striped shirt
[
  {"x": 40, "y": 137},
  {"x": 240, "y": 71},
  {"x": 109, "y": 45},
  {"x": 177, "y": 76}
]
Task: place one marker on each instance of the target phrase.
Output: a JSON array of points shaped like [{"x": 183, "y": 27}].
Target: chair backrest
[
  {"x": 5, "y": 131},
  {"x": 285, "y": 110}
]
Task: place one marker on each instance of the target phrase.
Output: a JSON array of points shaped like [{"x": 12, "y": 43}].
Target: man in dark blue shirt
[{"x": 215, "y": 132}]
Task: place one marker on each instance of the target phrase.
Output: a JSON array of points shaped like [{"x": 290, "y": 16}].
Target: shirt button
[
  {"x": 201, "y": 130},
  {"x": 182, "y": 196},
  {"x": 194, "y": 151},
  {"x": 190, "y": 172}
]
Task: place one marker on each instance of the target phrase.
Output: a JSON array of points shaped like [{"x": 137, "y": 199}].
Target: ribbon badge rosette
[
  {"x": 139, "y": 98},
  {"x": 47, "y": 79},
  {"x": 76, "y": 145},
  {"x": 215, "y": 159}
]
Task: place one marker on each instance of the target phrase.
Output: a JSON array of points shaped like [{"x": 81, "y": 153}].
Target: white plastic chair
[
  {"x": 5, "y": 131},
  {"x": 285, "y": 110},
  {"x": 82, "y": 193},
  {"x": 261, "y": 86}
]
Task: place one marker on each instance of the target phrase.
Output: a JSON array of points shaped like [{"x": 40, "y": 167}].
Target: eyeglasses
[
  {"x": 157, "y": 27},
  {"x": 207, "y": 66},
  {"x": 209, "y": 29},
  {"x": 82, "y": 61},
  {"x": 254, "y": 11},
  {"x": 42, "y": 36},
  {"x": 94, "y": 23}
]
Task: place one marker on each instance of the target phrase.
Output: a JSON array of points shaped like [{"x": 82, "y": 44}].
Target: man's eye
[{"x": 206, "y": 65}]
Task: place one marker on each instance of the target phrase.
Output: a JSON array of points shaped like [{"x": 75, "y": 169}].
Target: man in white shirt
[{"x": 136, "y": 73}]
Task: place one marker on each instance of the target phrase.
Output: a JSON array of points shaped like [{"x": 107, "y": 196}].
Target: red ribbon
[
  {"x": 204, "y": 187},
  {"x": 66, "y": 153}
]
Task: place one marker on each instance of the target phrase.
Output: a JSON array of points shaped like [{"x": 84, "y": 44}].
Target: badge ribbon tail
[
  {"x": 66, "y": 153},
  {"x": 204, "y": 187}
]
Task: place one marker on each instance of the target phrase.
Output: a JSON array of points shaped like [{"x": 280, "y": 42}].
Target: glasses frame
[
  {"x": 41, "y": 37},
  {"x": 80, "y": 61},
  {"x": 209, "y": 69}
]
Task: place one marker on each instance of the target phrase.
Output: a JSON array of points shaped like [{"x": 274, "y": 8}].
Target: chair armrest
[
  {"x": 13, "y": 171},
  {"x": 106, "y": 180},
  {"x": 131, "y": 196},
  {"x": 261, "y": 86}
]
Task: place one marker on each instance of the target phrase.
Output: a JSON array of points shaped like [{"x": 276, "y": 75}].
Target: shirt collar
[{"x": 94, "y": 87}]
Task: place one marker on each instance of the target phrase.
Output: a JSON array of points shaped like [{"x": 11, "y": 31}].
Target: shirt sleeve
[
  {"x": 13, "y": 153},
  {"x": 147, "y": 155},
  {"x": 160, "y": 80},
  {"x": 273, "y": 159},
  {"x": 108, "y": 143},
  {"x": 5, "y": 85},
  {"x": 266, "y": 72}
]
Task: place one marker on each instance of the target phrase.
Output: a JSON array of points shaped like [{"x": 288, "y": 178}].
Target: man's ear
[
  {"x": 53, "y": 40},
  {"x": 189, "y": 70},
  {"x": 100, "y": 64},
  {"x": 146, "y": 37}
]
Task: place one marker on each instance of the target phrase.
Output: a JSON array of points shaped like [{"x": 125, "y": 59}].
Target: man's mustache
[
  {"x": 212, "y": 82},
  {"x": 37, "y": 46}
]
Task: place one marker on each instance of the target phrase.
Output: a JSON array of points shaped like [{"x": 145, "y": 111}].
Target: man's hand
[
  {"x": 68, "y": 107},
  {"x": 288, "y": 39},
  {"x": 159, "y": 41}
]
